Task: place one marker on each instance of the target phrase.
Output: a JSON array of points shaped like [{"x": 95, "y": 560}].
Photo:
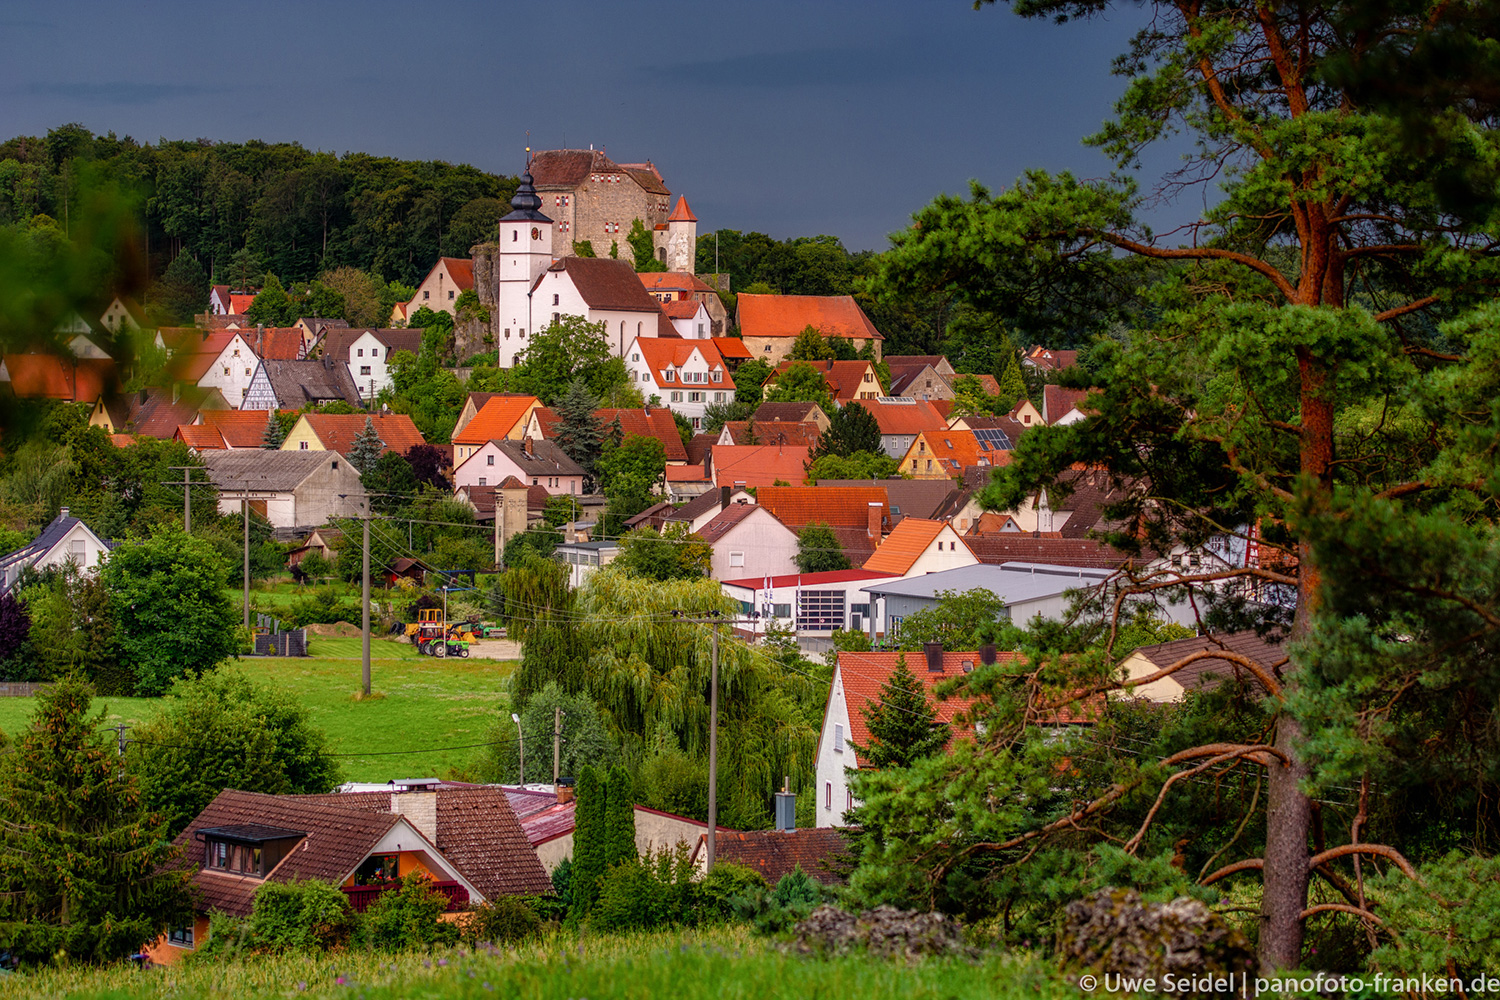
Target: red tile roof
[
  {"x": 686, "y": 474},
  {"x": 1043, "y": 357},
  {"x": 905, "y": 544},
  {"x": 203, "y": 437},
  {"x": 794, "y": 411},
  {"x": 46, "y": 376},
  {"x": 1015, "y": 546},
  {"x": 864, "y": 674},
  {"x": 461, "y": 270},
  {"x": 758, "y": 465},
  {"x": 239, "y": 305},
  {"x": 777, "y": 853},
  {"x": 732, "y": 347},
  {"x": 682, "y": 213},
  {"x": 496, "y": 419},
  {"x": 338, "y": 431},
  {"x": 661, "y": 354},
  {"x": 568, "y": 167},
  {"x": 845, "y": 379},
  {"x": 1267, "y": 652},
  {"x": 192, "y": 359},
  {"x": 804, "y": 432},
  {"x": 605, "y": 283},
  {"x": 1057, "y": 401},
  {"x": 239, "y": 428},
  {"x": 955, "y": 451},
  {"x": 789, "y": 315},
  {"x": 725, "y": 520},
  {"x": 673, "y": 281},
  {"x": 798, "y": 506},
  {"x": 681, "y": 308},
  {"x": 657, "y": 423},
  {"x": 906, "y": 417}
]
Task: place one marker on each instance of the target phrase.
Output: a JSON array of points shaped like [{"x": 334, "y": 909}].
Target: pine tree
[
  {"x": 79, "y": 858},
  {"x": 903, "y": 725},
  {"x": 579, "y": 433},
  {"x": 818, "y": 550},
  {"x": 619, "y": 843},
  {"x": 589, "y": 825},
  {"x": 273, "y": 436},
  {"x": 367, "y": 448},
  {"x": 1012, "y": 383}
]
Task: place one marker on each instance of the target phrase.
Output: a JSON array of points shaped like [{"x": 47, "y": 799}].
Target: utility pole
[
  {"x": 365, "y": 615},
  {"x": 556, "y": 742},
  {"x": 714, "y": 619},
  {"x": 521, "y": 745},
  {"x": 187, "y": 495},
  {"x": 245, "y": 511},
  {"x": 120, "y": 736}
]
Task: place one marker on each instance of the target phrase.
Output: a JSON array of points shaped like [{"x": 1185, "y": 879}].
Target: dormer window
[
  {"x": 249, "y": 850},
  {"x": 671, "y": 376}
]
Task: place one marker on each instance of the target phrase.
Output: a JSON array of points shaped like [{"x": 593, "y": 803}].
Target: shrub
[
  {"x": 648, "y": 893},
  {"x": 408, "y": 917},
  {"x": 300, "y": 916},
  {"x": 719, "y": 889},
  {"x": 321, "y": 607},
  {"x": 503, "y": 920},
  {"x": 778, "y": 910}
]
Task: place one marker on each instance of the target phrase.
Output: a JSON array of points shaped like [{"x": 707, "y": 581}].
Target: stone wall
[{"x": 475, "y": 335}]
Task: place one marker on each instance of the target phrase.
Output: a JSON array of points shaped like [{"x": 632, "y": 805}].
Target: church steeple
[{"x": 525, "y": 203}]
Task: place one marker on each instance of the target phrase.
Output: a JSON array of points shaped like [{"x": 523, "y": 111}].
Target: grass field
[
  {"x": 716, "y": 964},
  {"x": 426, "y": 704}
]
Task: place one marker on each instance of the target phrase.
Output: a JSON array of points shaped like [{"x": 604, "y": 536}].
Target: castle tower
[
  {"x": 682, "y": 238},
  {"x": 525, "y": 251}
]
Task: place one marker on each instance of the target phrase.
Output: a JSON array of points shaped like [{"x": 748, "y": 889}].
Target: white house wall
[
  {"x": 369, "y": 365},
  {"x": 833, "y": 782},
  {"x": 232, "y": 372},
  {"x": 762, "y": 544}
]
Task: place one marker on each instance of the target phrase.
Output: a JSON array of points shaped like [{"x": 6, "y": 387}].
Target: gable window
[
  {"x": 828, "y": 795},
  {"x": 635, "y": 357},
  {"x": 426, "y": 295},
  {"x": 361, "y": 352},
  {"x": 78, "y": 548},
  {"x": 450, "y": 295},
  {"x": 301, "y": 445},
  {"x": 555, "y": 299},
  {"x": 718, "y": 376},
  {"x": 335, "y": 466},
  {"x": 838, "y": 737},
  {"x": 364, "y": 369},
  {"x": 670, "y": 375},
  {"x": 481, "y": 481},
  {"x": 515, "y": 234},
  {"x": 226, "y": 369},
  {"x": 736, "y": 559}
]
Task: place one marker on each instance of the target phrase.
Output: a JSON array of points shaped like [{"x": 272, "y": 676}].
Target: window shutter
[{"x": 838, "y": 737}]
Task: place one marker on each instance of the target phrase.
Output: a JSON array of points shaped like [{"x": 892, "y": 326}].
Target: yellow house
[
  {"x": 338, "y": 431},
  {"x": 1221, "y": 657}
]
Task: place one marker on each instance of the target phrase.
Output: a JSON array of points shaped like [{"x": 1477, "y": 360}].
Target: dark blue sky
[{"x": 792, "y": 118}]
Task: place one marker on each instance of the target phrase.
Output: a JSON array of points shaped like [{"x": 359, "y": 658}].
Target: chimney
[
  {"x": 724, "y": 492},
  {"x": 564, "y": 790},
  {"x": 62, "y": 512},
  {"x": 786, "y": 812},
  {"x": 934, "y": 653},
  {"x": 876, "y": 517},
  {"x": 526, "y": 445},
  {"x": 420, "y": 810}
]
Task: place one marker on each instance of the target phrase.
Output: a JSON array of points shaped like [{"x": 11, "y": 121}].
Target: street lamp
[{"x": 521, "y": 743}]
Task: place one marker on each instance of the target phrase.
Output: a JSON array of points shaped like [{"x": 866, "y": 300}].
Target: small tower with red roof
[{"x": 682, "y": 238}]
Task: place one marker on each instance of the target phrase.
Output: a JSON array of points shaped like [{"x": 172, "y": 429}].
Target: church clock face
[{"x": 536, "y": 233}]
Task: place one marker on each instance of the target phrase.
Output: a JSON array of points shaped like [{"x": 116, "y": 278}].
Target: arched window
[
  {"x": 661, "y": 254},
  {"x": 515, "y": 234}
]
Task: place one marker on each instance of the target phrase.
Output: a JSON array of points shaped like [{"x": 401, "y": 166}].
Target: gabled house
[
  {"x": 367, "y": 354},
  {"x": 689, "y": 318},
  {"x": 449, "y": 278},
  {"x": 337, "y": 432},
  {"x": 775, "y": 854},
  {"x": 155, "y": 413},
  {"x": 600, "y": 290},
  {"x": 805, "y": 434},
  {"x": 937, "y": 362},
  {"x": 65, "y": 378},
  {"x": 64, "y": 540},
  {"x": 223, "y": 359},
  {"x": 685, "y": 375},
  {"x": 1266, "y": 652},
  {"x": 846, "y": 380},
  {"x": 857, "y": 680},
  {"x": 291, "y": 489},
  {"x": 901, "y": 419},
  {"x": 799, "y": 411},
  {"x": 945, "y": 454},
  {"x": 123, "y": 314},
  {"x": 534, "y": 463},
  {"x": 918, "y": 546},
  {"x": 905, "y": 497},
  {"x": 858, "y": 516},
  {"x": 236, "y": 428},
  {"x": 291, "y": 385},
  {"x": 466, "y": 840},
  {"x": 748, "y": 540},
  {"x": 1048, "y": 359},
  {"x": 757, "y": 465},
  {"x": 475, "y": 401},
  {"x": 681, "y": 286},
  {"x": 769, "y": 324},
  {"x": 1062, "y": 406},
  {"x": 218, "y": 300},
  {"x": 502, "y": 416},
  {"x": 315, "y": 328},
  {"x": 651, "y": 421},
  {"x": 701, "y": 509}
]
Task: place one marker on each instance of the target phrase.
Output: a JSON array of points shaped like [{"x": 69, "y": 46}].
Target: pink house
[
  {"x": 535, "y": 463},
  {"x": 749, "y": 541}
]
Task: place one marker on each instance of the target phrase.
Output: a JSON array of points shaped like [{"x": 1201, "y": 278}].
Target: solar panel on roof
[{"x": 994, "y": 438}]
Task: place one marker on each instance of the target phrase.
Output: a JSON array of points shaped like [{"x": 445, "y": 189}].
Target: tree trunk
[{"x": 1289, "y": 816}]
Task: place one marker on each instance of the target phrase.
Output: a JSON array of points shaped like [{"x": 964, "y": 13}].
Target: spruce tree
[
  {"x": 619, "y": 844},
  {"x": 589, "y": 820},
  {"x": 1012, "y": 383},
  {"x": 579, "y": 433},
  {"x": 273, "y": 437},
  {"x": 80, "y": 859},
  {"x": 903, "y": 725},
  {"x": 367, "y": 448}
]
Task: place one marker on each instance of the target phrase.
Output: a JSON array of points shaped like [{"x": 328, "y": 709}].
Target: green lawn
[
  {"x": 428, "y": 704},
  {"x": 713, "y": 964}
]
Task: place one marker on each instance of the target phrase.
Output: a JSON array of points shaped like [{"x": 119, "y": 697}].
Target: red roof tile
[
  {"x": 200, "y": 438},
  {"x": 681, "y": 308},
  {"x": 658, "y": 423},
  {"x": 732, "y": 347},
  {"x": 661, "y": 354},
  {"x": 799, "y": 506},
  {"x": 810, "y": 579},
  {"x": 338, "y": 431},
  {"x": 496, "y": 419},
  {"x": 239, "y": 305},
  {"x": 567, "y": 168},
  {"x": 906, "y": 417},
  {"x": 905, "y": 544},
  {"x": 803, "y": 432},
  {"x": 681, "y": 213},
  {"x": 673, "y": 281},
  {"x": 461, "y": 270},
  {"x": 605, "y": 283},
  {"x": 1057, "y": 401},
  {"x": 46, "y": 376},
  {"x": 777, "y": 853},
  {"x": 846, "y": 380},
  {"x": 1014, "y": 546},
  {"x": 239, "y": 428},
  {"x": 789, "y": 315},
  {"x": 758, "y": 465},
  {"x": 1044, "y": 357}
]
